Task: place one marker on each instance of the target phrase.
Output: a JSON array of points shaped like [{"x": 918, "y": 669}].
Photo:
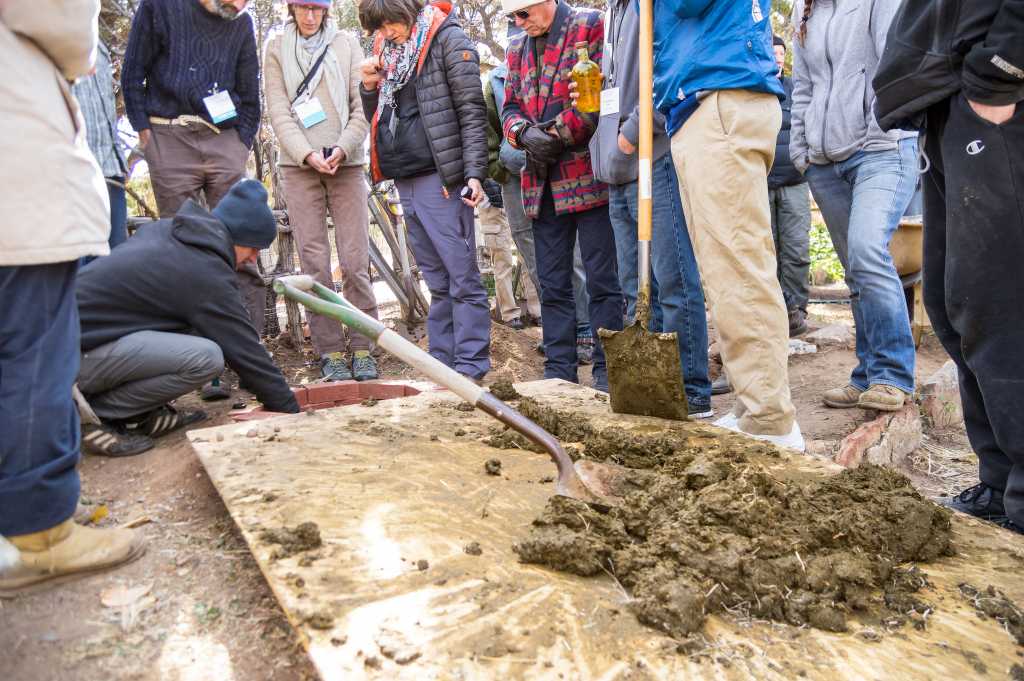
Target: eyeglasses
[
  {"x": 523, "y": 14},
  {"x": 309, "y": 9}
]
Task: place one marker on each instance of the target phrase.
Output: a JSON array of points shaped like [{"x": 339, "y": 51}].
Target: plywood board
[{"x": 399, "y": 489}]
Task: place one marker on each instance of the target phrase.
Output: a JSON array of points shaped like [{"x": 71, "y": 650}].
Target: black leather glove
[{"x": 542, "y": 149}]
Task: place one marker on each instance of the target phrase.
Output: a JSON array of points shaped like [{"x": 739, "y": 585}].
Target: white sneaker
[{"x": 794, "y": 439}]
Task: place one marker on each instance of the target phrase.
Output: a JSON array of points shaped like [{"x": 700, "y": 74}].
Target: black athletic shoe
[
  {"x": 981, "y": 501},
  {"x": 113, "y": 440},
  {"x": 164, "y": 420},
  {"x": 1008, "y": 524},
  {"x": 516, "y": 324}
]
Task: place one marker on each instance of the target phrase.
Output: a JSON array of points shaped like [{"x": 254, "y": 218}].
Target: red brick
[
  {"x": 301, "y": 395},
  {"x": 888, "y": 440},
  {"x": 333, "y": 391}
]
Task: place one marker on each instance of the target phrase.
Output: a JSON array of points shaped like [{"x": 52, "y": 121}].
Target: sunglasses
[{"x": 523, "y": 14}]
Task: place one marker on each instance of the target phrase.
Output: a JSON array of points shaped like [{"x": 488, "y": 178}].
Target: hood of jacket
[{"x": 194, "y": 226}]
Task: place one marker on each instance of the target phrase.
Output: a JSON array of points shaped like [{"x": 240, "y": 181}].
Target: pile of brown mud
[{"x": 710, "y": 525}]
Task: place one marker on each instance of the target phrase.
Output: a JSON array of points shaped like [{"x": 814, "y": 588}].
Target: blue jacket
[{"x": 706, "y": 45}]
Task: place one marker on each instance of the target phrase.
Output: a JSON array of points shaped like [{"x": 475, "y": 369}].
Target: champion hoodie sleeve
[
  {"x": 993, "y": 71},
  {"x": 798, "y": 150}
]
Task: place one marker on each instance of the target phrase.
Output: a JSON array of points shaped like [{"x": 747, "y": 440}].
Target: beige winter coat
[
  {"x": 52, "y": 193},
  {"x": 295, "y": 141}
]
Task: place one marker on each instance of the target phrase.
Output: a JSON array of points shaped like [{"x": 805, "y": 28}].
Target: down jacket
[
  {"x": 451, "y": 103},
  {"x": 54, "y": 197}
]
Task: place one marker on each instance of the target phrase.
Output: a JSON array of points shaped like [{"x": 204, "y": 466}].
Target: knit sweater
[
  {"x": 298, "y": 142},
  {"x": 177, "y": 53}
]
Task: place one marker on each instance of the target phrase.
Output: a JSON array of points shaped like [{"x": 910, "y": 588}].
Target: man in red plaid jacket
[{"x": 560, "y": 192}]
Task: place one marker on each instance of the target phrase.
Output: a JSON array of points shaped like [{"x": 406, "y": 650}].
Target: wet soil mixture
[
  {"x": 992, "y": 602},
  {"x": 705, "y": 527},
  {"x": 292, "y": 540}
]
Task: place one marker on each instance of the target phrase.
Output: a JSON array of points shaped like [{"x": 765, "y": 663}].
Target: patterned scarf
[{"x": 398, "y": 62}]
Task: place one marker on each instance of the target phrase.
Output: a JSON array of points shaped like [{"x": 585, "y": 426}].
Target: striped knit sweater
[{"x": 177, "y": 53}]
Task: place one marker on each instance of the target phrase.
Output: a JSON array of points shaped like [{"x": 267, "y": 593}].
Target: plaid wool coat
[{"x": 573, "y": 185}]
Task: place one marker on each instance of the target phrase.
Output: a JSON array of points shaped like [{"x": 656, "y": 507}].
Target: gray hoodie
[
  {"x": 621, "y": 68},
  {"x": 833, "y": 101}
]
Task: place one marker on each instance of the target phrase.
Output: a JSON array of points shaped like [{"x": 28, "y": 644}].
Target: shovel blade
[{"x": 644, "y": 373}]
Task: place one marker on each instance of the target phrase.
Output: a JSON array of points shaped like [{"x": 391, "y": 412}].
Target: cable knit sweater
[{"x": 177, "y": 51}]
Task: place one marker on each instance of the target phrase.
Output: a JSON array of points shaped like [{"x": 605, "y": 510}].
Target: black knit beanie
[{"x": 244, "y": 211}]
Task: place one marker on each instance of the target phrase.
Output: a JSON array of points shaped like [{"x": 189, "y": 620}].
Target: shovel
[
  {"x": 588, "y": 481},
  {"x": 644, "y": 370}
]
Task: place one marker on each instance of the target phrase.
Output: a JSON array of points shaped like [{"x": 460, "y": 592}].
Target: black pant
[
  {"x": 555, "y": 240},
  {"x": 973, "y": 284}
]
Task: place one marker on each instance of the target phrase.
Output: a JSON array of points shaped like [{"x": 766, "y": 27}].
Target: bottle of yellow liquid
[{"x": 587, "y": 76}]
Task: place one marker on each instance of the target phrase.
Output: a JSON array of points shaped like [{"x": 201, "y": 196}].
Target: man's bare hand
[
  {"x": 336, "y": 158},
  {"x": 144, "y": 136},
  {"x": 994, "y": 114},
  {"x": 625, "y": 146},
  {"x": 574, "y": 93}
]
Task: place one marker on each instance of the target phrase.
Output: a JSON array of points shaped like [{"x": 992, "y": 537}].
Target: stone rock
[
  {"x": 824, "y": 449},
  {"x": 887, "y": 440},
  {"x": 799, "y": 347},
  {"x": 833, "y": 334},
  {"x": 940, "y": 398}
]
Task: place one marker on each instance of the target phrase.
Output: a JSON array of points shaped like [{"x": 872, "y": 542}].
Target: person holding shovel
[
  {"x": 716, "y": 83},
  {"x": 613, "y": 151},
  {"x": 311, "y": 79}
]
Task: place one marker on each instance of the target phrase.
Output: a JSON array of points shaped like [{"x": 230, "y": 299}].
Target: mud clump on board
[
  {"x": 504, "y": 390},
  {"x": 992, "y": 602},
  {"x": 707, "y": 528},
  {"x": 492, "y": 466},
  {"x": 302, "y": 537}
]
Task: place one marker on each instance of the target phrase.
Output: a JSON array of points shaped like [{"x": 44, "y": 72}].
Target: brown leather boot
[{"x": 65, "y": 551}]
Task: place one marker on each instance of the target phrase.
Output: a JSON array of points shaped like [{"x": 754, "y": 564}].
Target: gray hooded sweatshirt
[
  {"x": 620, "y": 66},
  {"x": 833, "y": 101}
]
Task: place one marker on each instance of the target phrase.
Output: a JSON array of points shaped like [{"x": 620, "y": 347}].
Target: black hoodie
[
  {"x": 178, "y": 276},
  {"x": 937, "y": 48}
]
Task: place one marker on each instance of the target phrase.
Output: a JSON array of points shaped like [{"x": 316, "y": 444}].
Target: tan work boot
[
  {"x": 842, "y": 398},
  {"x": 882, "y": 398},
  {"x": 65, "y": 551}
]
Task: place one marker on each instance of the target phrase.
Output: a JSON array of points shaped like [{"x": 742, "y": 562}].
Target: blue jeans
[
  {"x": 680, "y": 296},
  {"x": 622, "y": 212},
  {"x": 862, "y": 200},
  {"x": 39, "y": 354},
  {"x": 555, "y": 238}
]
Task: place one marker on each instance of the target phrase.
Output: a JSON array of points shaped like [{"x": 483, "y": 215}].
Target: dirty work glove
[{"x": 541, "y": 148}]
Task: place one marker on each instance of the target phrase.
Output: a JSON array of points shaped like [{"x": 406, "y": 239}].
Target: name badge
[
  {"x": 310, "y": 112},
  {"x": 610, "y": 101},
  {"x": 220, "y": 106}
]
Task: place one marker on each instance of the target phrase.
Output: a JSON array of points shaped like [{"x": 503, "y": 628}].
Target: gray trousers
[
  {"x": 522, "y": 234},
  {"x": 145, "y": 370},
  {"x": 791, "y": 226}
]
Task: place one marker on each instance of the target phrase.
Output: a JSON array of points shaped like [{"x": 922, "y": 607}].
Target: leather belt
[{"x": 184, "y": 120}]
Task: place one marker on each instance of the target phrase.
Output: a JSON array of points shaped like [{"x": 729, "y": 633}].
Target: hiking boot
[
  {"x": 1008, "y": 524},
  {"x": 846, "y": 397},
  {"x": 516, "y": 324},
  {"x": 981, "y": 501},
  {"x": 66, "y": 550},
  {"x": 721, "y": 385},
  {"x": 214, "y": 390},
  {"x": 163, "y": 420},
  {"x": 882, "y": 398},
  {"x": 794, "y": 439},
  {"x": 364, "y": 367},
  {"x": 539, "y": 347},
  {"x": 108, "y": 439},
  {"x": 797, "y": 322},
  {"x": 333, "y": 367},
  {"x": 585, "y": 351}
]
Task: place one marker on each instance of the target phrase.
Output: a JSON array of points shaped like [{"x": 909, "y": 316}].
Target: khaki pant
[
  {"x": 498, "y": 244},
  {"x": 186, "y": 160},
  {"x": 309, "y": 196},
  {"x": 722, "y": 156}
]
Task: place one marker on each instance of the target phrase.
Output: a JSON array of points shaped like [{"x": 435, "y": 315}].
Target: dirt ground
[{"x": 203, "y": 611}]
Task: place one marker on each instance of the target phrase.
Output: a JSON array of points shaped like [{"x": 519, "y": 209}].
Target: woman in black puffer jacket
[{"x": 422, "y": 91}]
